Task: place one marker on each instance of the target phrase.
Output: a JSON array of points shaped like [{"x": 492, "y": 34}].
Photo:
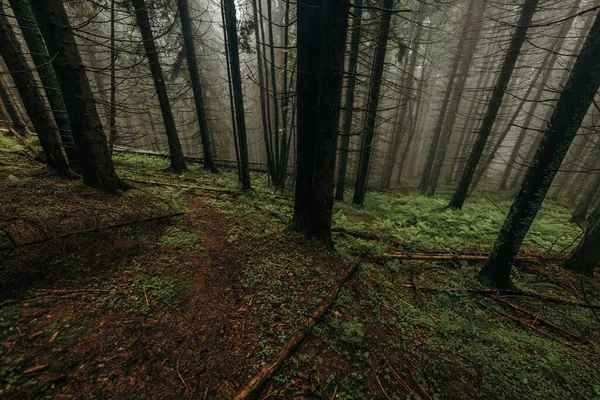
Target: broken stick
[{"x": 254, "y": 387}]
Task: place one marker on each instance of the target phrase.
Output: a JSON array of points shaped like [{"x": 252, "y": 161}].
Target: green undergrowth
[{"x": 381, "y": 339}]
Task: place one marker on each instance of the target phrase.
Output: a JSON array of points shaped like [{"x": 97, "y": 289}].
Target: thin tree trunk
[
  {"x": 143, "y": 22},
  {"x": 468, "y": 44},
  {"x": 22, "y": 76},
  {"x": 113, "y": 83},
  {"x": 238, "y": 94},
  {"x": 373, "y": 103},
  {"x": 13, "y": 113},
  {"x": 572, "y": 106},
  {"x": 355, "y": 30},
  {"x": 190, "y": 52},
  {"x": 41, "y": 59},
  {"x": 514, "y": 49},
  {"x": 90, "y": 141}
]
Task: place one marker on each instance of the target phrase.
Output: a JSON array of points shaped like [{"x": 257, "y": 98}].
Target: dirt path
[{"x": 139, "y": 340}]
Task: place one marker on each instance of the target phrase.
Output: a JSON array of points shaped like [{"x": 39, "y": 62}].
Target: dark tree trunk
[
  {"x": 562, "y": 180},
  {"x": 355, "y": 30},
  {"x": 331, "y": 75},
  {"x": 41, "y": 59},
  {"x": 263, "y": 91},
  {"x": 508, "y": 66},
  {"x": 22, "y": 76},
  {"x": 468, "y": 43},
  {"x": 586, "y": 256},
  {"x": 572, "y": 106},
  {"x": 143, "y": 22},
  {"x": 113, "y": 83},
  {"x": 90, "y": 141},
  {"x": 309, "y": 17},
  {"x": 190, "y": 52},
  {"x": 373, "y": 103},
  {"x": 13, "y": 113},
  {"x": 238, "y": 94},
  {"x": 589, "y": 192}
]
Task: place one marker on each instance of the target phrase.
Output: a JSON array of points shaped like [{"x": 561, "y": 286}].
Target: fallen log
[
  {"x": 254, "y": 387},
  {"x": 438, "y": 256},
  {"x": 206, "y": 188},
  {"x": 508, "y": 293},
  {"x": 25, "y": 142},
  {"x": 90, "y": 230}
]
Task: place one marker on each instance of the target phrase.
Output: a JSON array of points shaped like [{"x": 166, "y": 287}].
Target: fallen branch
[
  {"x": 206, "y": 188},
  {"x": 90, "y": 230},
  {"x": 507, "y": 292},
  {"x": 459, "y": 257},
  {"x": 254, "y": 387},
  {"x": 536, "y": 318}
]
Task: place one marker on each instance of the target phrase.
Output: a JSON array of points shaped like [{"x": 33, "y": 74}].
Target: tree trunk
[
  {"x": 190, "y": 52},
  {"x": 373, "y": 103},
  {"x": 473, "y": 24},
  {"x": 112, "y": 121},
  {"x": 41, "y": 59},
  {"x": 589, "y": 192},
  {"x": 562, "y": 180},
  {"x": 238, "y": 94},
  {"x": 13, "y": 113},
  {"x": 587, "y": 254},
  {"x": 572, "y": 106},
  {"x": 143, "y": 22},
  {"x": 331, "y": 71},
  {"x": 355, "y": 30},
  {"x": 309, "y": 17},
  {"x": 405, "y": 100},
  {"x": 514, "y": 49},
  {"x": 90, "y": 141},
  {"x": 22, "y": 76}
]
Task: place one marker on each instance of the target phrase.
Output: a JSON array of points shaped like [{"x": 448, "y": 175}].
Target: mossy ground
[{"x": 194, "y": 306}]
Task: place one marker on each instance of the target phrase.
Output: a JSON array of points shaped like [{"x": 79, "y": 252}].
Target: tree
[
  {"x": 318, "y": 113},
  {"x": 34, "y": 103},
  {"x": 190, "y": 52},
  {"x": 143, "y": 21},
  {"x": 508, "y": 65},
  {"x": 572, "y": 106},
  {"x": 14, "y": 115},
  {"x": 41, "y": 59},
  {"x": 458, "y": 76},
  {"x": 355, "y": 30},
  {"x": 238, "y": 94},
  {"x": 587, "y": 254},
  {"x": 95, "y": 161},
  {"x": 373, "y": 102}
]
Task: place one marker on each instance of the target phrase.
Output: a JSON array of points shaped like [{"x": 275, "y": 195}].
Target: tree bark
[
  {"x": 514, "y": 49},
  {"x": 355, "y": 30},
  {"x": 373, "y": 103},
  {"x": 22, "y": 76},
  {"x": 331, "y": 75},
  {"x": 190, "y": 52},
  {"x": 238, "y": 94},
  {"x": 309, "y": 17},
  {"x": 90, "y": 141},
  {"x": 143, "y": 22},
  {"x": 572, "y": 106},
  {"x": 586, "y": 256}
]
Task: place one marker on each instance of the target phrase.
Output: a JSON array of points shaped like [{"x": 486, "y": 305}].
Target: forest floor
[{"x": 193, "y": 305}]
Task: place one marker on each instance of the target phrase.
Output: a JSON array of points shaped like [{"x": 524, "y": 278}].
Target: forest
[{"x": 323, "y": 199}]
